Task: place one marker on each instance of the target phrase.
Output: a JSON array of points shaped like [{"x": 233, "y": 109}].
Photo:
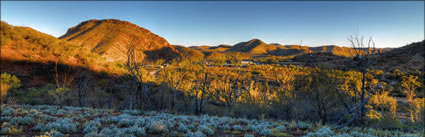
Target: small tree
[
  {"x": 205, "y": 82},
  {"x": 8, "y": 82},
  {"x": 135, "y": 69},
  {"x": 60, "y": 95},
  {"x": 409, "y": 84},
  {"x": 175, "y": 78},
  {"x": 382, "y": 101},
  {"x": 63, "y": 82}
]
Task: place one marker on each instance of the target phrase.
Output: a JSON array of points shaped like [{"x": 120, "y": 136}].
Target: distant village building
[
  {"x": 165, "y": 65},
  {"x": 246, "y": 62},
  {"x": 152, "y": 66},
  {"x": 228, "y": 65}
]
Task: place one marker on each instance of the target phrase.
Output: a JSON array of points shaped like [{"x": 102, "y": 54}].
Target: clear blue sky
[{"x": 392, "y": 24}]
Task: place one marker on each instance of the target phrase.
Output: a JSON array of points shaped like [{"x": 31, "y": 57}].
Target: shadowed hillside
[
  {"x": 336, "y": 50},
  {"x": 207, "y": 49},
  {"x": 409, "y": 57},
  {"x": 189, "y": 53}
]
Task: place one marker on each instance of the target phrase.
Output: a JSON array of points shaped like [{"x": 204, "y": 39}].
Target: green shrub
[
  {"x": 265, "y": 132},
  {"x": 8, "y": 82},
  {"x": 36, "y": 96},
  {"x": 206, "y": 130},
  {"x": 323, "y": 132},
  {"x": 157, "y": 127},
  {"x": 386, "y": 122}
]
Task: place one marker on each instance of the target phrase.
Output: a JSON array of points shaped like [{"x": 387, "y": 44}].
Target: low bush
[
  {"x": 132, "y": 112},
  {"x": 53, "y": 133},
  {"x": 157, "y": 127},
  {"x": 45, "y": 117},
  {"x": 359, "y": 134},
  {"x": 91, "y": 126},
  {"x": 237, "y": 127},
  {"x": 38, "y": 127},
  {"x": 206, "y": 130},
  {"x": 8, "y": 111},
  {"x": 303, "y": 125},
  {"x": 14, "y": 130},
  {"x": 27, "y": 120},
  {"x": 65, "y": 125},
  {"x": 224, "y": 127},
  {"x": 386, "y": 122},
  {"x": 248, "y": 135},
  {"x": 137, "y": 131},
  {"x": 280, "y": 128},
  {"x": 125, "y": 123},
  {"x": 194, "y": 134},
  {"x": 4, "y": 131},
  {"x": 182, "y": 128},
  {"x": 265, "y": 132},
  {"x": 94, "y": 134},
  {"x": 323, "y": 132}
]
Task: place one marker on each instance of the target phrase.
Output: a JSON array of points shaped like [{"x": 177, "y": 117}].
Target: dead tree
[
  {"x": 134, "y": 67},
  {"x": 82, "y": 86},
  {"x": 364, "y": 55},
  {"x": 204, "y": 88}
]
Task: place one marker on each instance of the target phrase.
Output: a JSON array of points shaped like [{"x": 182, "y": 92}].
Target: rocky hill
[
  {"x": 112, "y": 38},
  {"x": 254, "y": 46},
  {"x": 258, "y": 47}
]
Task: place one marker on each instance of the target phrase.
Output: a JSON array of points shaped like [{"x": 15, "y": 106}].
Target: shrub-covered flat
[{"x": 43, "y": 120}]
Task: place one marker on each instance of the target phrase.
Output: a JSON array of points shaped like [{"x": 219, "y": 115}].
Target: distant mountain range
[
  {"x": 257, "y": 47},
  {"x": 100, "y": 43}
]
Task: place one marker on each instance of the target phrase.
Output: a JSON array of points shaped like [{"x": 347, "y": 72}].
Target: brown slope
[
  {"x": 112, "y": 38},
  {"x": 254, "y": 46},
  {"x": 247, "y": 46},
  {"x": 258, "y": 47}
]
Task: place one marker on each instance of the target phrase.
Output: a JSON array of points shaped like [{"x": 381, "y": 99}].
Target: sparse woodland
[{"x": 289, "y": 93}]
